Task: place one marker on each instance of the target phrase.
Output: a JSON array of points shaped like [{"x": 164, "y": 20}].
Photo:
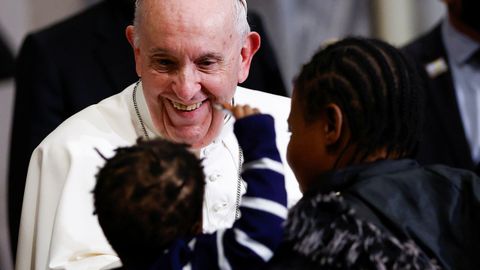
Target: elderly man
[
  {"x": 49, "y": 89},
  {"x": 189, "y": 55}
]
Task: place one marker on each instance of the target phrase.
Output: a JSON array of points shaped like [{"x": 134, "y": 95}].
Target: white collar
[
  {"x": 459, "y": 46},
  {"x": 145, "y": 113}
]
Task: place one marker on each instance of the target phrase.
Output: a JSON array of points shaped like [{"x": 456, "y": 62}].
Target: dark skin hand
[{"x": 238, "y": 111}]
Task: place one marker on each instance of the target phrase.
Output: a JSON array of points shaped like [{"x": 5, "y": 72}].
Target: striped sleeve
[{"x": 252, "y": 240}]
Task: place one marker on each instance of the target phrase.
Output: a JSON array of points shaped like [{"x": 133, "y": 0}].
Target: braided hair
[
  {"x": 375, "y": 86},
  {"x": 148, "y": 195}
]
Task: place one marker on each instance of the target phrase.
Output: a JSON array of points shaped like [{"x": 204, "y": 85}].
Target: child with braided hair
[
  {"x": 355, "y": 121},
  {"x": 148, "y": 199}
]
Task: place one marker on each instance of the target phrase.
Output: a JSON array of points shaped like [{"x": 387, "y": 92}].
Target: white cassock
[{"x": 58, "y": 229}]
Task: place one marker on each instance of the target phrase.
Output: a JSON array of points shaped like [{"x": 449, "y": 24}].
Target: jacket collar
[
  {"x": 459, "y": 47},
  {"x": 339, "y": 180}
]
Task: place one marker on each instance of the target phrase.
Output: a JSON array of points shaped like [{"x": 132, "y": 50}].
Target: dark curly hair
[
  {"x": 377, "y": 89},
  {"x": 146, "y": 196}
]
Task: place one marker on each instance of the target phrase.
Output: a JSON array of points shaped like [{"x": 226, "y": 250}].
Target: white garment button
[
  {"x": 214, "y": 176},
  {"x": 219, "y": 206},
  {"x": 207, "y": 150}
]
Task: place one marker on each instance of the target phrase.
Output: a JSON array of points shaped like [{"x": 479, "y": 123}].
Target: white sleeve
[
  {"x": 42, "y": 192},
  {"x": 58, "y": 228},
  {"x": 77, "y": 238},
  {"x": 28, "y": 224}
]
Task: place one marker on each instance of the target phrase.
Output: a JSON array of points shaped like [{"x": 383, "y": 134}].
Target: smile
[{"x": 183, "y": 107}]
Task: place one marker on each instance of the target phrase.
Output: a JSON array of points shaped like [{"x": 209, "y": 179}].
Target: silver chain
[
  {"x": 239, "y": 182},
  {"x": 137, "y": 111},
  {"x": 240, "y": 152}
]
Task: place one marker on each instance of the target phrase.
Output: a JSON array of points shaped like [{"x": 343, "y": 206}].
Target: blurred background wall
[
  {"x": 298, "y": 27},
  {"x": 295, "y": 27}
]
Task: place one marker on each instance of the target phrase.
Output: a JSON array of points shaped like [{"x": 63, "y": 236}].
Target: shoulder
[
  {"x": 426, "y": 47},
  {"x": 80, "y": 20},
  {"x": 440, "y": 186},
  {"x": 434, "y": 176},
  {"x": 454, "y": 176},
  {"x": 107, "y": 120},
  {"x": 390, "y": 174},
  {"x": 74, "y": 31}
]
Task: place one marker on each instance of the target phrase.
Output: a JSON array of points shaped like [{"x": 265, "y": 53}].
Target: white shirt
[
  {"x": 466, "y": 79},
  {"x": 58, "y": 229}
]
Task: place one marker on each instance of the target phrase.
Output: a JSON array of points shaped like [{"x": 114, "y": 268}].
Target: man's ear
[
  {"x": 130, "y": 34},
  {"x": 333, "y": 126},
  {"x": 249, "y": 48}
]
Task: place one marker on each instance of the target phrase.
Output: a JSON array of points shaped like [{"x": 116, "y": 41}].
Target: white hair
[
  {"x": 241, "y": 21},
  {"x": 240, "y": 16}
]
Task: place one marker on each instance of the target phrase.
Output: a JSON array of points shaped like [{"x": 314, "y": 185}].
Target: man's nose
[{"x": 187, "y": 83}]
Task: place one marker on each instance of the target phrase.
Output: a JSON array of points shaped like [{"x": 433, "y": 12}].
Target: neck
[
  {"x": 463, "y": 28},
  {"x": 350, "y": 157}
]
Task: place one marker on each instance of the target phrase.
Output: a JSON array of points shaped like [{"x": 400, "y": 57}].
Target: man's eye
[
  {"x": 206, "y": 63},
  {"x": 163, "y": 64}
]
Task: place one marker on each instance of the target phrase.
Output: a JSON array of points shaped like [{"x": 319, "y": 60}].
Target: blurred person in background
[
  {"x": 6, "y": 60},
  {"x": 449, "y": 61}
]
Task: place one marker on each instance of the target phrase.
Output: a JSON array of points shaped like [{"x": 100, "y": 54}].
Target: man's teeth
[{"x": 183, "y": 107}]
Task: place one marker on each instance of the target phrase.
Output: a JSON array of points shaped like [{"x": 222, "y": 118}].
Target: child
[
  {"x": 355, "y": 120},
  {"x": 148, "y": 199}
]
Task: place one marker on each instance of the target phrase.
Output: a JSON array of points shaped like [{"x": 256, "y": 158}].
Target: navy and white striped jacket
[{"x": 253, "y": 238}]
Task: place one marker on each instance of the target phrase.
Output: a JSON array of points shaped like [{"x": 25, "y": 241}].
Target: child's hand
[{"x": 240, "y": 111}]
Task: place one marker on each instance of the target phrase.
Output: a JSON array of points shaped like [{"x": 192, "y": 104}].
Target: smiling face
[{"x": 189, "y": 56}]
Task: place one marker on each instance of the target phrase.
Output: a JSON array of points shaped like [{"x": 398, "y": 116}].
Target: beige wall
[{"x": 399, "y": 21}]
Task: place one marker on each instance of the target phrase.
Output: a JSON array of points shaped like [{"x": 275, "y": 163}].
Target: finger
[
  {"x": 238, "y": 111},
  {"x": 247, "y": 110},
  {"x": 227, "y": 105},
  {"x": 251, "y": 110}
]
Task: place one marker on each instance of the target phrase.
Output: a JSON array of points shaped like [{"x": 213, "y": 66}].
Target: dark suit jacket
[
  {"x": 78, "y": 62},
  {"x": 444, "y": 139},
  {"x": 6, "y": 60}
]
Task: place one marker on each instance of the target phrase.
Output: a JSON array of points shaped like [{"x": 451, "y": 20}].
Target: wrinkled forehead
[
  {"x": 163, "y": 9},
  {"x": 243, "y": 3},
  {"x": 178, "y": 15}
]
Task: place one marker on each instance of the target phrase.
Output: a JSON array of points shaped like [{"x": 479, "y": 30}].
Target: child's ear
[{"x": 333, "y": 124}]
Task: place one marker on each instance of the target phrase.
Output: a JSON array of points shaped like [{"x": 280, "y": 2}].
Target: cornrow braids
[
  {"x": 147, "y": 195},
  {"x": 376, "y": 87}
]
